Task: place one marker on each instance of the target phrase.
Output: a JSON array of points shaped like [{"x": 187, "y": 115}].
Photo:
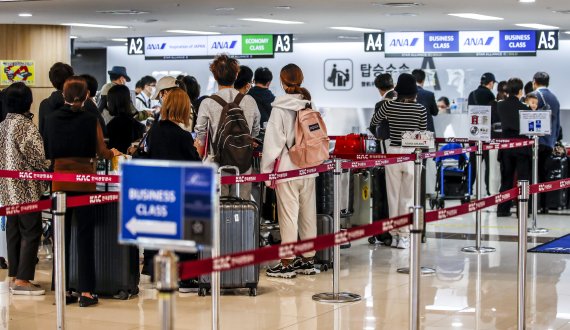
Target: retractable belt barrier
[
  {"x": 62, "y": 177},
  {"x": 75, "y": 201}
]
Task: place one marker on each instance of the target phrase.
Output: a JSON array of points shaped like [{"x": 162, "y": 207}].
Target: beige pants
[
  {"x": 400, "y": 188},
  {"x": 297, "y": 211}
]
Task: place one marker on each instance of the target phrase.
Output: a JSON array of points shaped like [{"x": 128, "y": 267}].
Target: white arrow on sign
[{"x": 151, "y": 227}]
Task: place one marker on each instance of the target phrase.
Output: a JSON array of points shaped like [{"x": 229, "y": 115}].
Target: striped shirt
[{"x": 402, "y": 117}]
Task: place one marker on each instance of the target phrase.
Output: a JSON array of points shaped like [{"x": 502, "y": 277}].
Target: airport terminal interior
[{"x": 343, "y": 48}]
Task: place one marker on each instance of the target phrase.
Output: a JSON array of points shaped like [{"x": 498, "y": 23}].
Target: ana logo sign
[
  {"x": 478, "y": 41},
  {"x": 224, "y": 44},
  {"x": 156, "y": 46},
  {"x": 404, "y": 42}
]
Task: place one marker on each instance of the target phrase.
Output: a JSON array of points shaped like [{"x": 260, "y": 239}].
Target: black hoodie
[
  {"x": 49, "y": 105},
  {"x": 263, "y": 97}
]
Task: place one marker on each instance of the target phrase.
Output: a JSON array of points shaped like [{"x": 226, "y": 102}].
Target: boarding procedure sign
[
  {"x": 480, "y": 123},
  {"x": 167, "y": 204},
  {"x": 535, "y": 122}
]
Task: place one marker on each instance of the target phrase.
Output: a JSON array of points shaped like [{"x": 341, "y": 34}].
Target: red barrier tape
[
  {"x": 379, "y": 162},
  {"x": 549, "y": 186},
  {"x": 192, "y": 269},
  {"x": 74, "y": 201},
  {"x": 365, "y": 156},
  {"x": 232, "y": 179},
  {"x": 63, "y": 177},
  {"x": 509, "y": 145},
  {"x": 472, "y": 206},
  {"x": 446, "y": 153}
]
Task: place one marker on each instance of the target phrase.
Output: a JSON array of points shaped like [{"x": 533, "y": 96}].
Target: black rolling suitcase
[
  {"x": 116, "y": 266},
  {"x": 239, "y": 231},
  {"x": 324, "y": 189},
  {"x": 379, "y": 203},
  {"x": 324, "y": 258},
  {"x": 556, "y": 168}
]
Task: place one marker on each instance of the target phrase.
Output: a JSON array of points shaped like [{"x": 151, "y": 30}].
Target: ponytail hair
[
  {"x": 75, "y": 92},
  {"x": 292, "y": 78}
]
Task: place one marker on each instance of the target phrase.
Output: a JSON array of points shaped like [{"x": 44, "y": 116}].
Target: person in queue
[
  {"x": 516, "y": 161},
  {"x": 118, "y": 76},
  {"x": 225, "y": 70},
  {"x": 73, "y": 139},
  {"x": 22, "y": 150},
  {"x": 167, "y": 140},
  {"x": 295, "y": 196},
  {"x": 385, "y": 85},
  {"x": 443, "y": 104},
  {"x": 426, "y": 98},
  {"x": 193, "y": 91},
  {"x": 148, "y": 86},
  {"x": 531, "y": 100},
  {"x": 123, "y": 128},
  {"x": 58, "y": 73},
  {"x": 90, "y": 105},
  {"x": 164, "y": 86},
  {"x": 244, "y": 79},
  {"x": 546, "y": 101},
  {"x": 502, "y": 93},
  {"x": 403, "y": 114},
  {"x": 261, "y": 93}
]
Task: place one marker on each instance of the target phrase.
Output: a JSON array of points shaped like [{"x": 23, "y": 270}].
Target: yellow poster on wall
[{"x": 17, "y": 71}]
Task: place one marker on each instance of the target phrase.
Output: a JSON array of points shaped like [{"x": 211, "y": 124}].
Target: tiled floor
[{"x": 468, "y": 291}]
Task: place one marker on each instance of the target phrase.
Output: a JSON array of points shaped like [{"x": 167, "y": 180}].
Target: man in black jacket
[
  {"x": 512, "y": 160},
  {"x": 58, "y": 73},
  {"x": 426, "y": 98},
  {"x": 261, "y": 93},
  {"x": 385, "y": 85}
]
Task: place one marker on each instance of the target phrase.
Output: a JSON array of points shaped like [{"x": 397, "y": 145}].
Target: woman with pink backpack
[{"x": 295, "y": 138}]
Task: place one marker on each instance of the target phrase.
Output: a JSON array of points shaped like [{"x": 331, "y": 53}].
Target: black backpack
[{"x": 233, "y": 144}]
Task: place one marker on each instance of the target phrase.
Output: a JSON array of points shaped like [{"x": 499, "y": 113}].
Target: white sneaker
[
  {"x": 403, "y": 243},
  {"x": 395, "y": 241}
]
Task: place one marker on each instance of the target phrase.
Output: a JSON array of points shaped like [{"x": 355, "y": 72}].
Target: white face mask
[{"x": 152, "y": 90}]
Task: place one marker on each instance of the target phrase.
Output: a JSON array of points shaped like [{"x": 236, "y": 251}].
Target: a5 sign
[
  {"x": 135, "y": 46},
  {"x": 547, "y": 40}
]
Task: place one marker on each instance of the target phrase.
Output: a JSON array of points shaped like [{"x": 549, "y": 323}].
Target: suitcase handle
[{"x": 233, "y": 168}]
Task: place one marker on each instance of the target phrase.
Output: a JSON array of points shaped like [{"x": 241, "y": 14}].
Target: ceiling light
[
  {"x": 72, "y": 37},
  {"x": 120, "y": 39},
  {"x": 266, "y": 20},
  {"x": 96, "y": 25},
  {"x": 567, "y": 32},
  {"x": 401, "y": 14},
  {"x": 283, "y": 7},
  {"x": 123, "y": 12},
  {"x": 477, "y": 17},
  {"x": 355, "y": 29},
  {"x": 398, "y": 4},
  {"x": 350, "y": 37},
  {"x": 225, "y": 9},
  {"x": 538, "y": 26},
  {"x": 191, "y": 32},
  {"x": 527, "y": 1},
  {"x": 567, "y": 11},
  {"x": 25, "y": 15}
]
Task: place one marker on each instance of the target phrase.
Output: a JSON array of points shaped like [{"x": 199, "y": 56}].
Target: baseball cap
[
  {"x": 487, "y": 78},
  {"x": 166, "y": 82}
]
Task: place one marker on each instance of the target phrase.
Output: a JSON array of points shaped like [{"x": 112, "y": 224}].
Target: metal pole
[
  {"x": 521, "y": 282},
  {"x": 534, "y": 229},
  {"x": 418, "y": 167},
  {"x": 479, "y": 194},
  {"x": 166, "y": 271},
  {"x": 58, "y": 209},
  {"x": 336, "y": 296},
  {"x": 415, "y": 268},
  {"x": 216, "y": 232}
]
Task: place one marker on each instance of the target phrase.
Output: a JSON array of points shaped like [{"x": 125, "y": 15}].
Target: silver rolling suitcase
[{"x": 239, "y": 231}]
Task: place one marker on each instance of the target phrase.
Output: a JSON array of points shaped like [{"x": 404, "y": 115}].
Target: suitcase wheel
[
  {"x": 465, "y": 200},
  {"x": 441, "y": 204},
  {"x": 372, "y": 240},
  {"x": 252, "y": 292},
  {"x": 122, "y": 295},
  {"x": 324, "y": 267},
  {"x": 202, "y": 292}
]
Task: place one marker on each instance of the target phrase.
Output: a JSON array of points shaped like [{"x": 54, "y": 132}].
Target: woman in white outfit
[
  {"x": 403, "y": 114},
  {"x": 295, "y": 196}
]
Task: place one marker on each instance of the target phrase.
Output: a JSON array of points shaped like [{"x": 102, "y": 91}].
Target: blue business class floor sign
[
  {"x": 560, "y": 245},
  {"x": 167, "y": 204}
]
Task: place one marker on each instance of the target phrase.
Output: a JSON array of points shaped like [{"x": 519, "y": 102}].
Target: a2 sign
[
  {"x": 282, "y": 43},
  {"x": 545, "y": 40}
]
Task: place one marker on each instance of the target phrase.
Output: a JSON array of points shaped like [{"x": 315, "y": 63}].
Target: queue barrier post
[
  {"x": 522, "y": 245},
  {"x": 336, "y": 296},
  {"x": 415, "y": 268},
  {"x": 166, "y": 270},
  {"x": 479, "y": 194},
  {"x": 58, "y": 209},
  {"x": 418, "y": 168},
  {"x": 534, "y": 229}
]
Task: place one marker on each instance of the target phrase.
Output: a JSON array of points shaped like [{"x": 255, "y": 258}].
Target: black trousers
[
  {"x": 473, "y": 161},
  {"x": 82, "y": 218},
  {"x": 543, "y": 153},
  {"x": 23, "y": 235},
  {"x": 513, "y": 161}
]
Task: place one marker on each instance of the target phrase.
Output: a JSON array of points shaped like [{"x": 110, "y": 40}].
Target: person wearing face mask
[
  {"x": 73, "y": 139},
  {"x": 244, "y": 80},
  {"x": 144, "y": 101},
  {"x": 163, "y": 87}
]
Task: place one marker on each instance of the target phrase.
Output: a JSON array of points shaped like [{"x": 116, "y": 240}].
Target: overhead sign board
[
  {"x": 535, "y": 122},
  {"x": 461, "y": 43},
  {"x": 167, "y": 204},
  {"x": 206, "y": 47}
]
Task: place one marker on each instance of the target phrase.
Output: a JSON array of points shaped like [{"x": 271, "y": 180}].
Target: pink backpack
[{"x": 311, "y": 140}]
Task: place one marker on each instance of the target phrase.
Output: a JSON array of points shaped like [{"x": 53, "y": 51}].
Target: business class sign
[{"x": 461, "y": 43}]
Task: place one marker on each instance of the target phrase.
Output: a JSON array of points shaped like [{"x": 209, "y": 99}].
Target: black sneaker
[
  {"x": 304, "y": 267},
  {"x": 188, "y": 286},
  {"x": 281, "y": 271}
]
